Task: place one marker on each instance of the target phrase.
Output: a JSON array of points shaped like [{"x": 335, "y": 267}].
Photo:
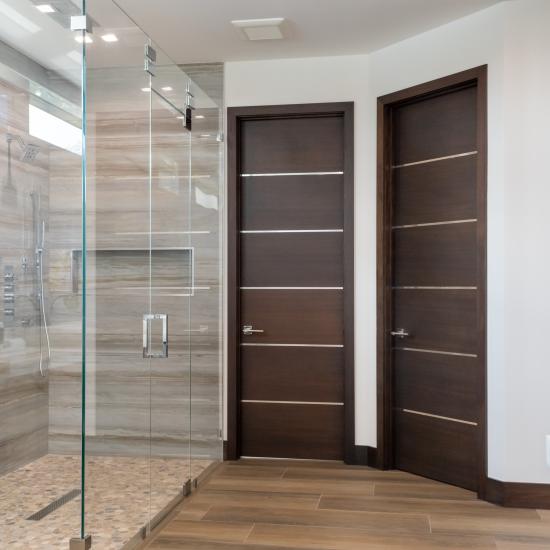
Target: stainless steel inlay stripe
[
  {"x": 473, "y": 220},
  {"x": 162, "y": 233},
  {"x": 292, "y": 402},
  {"x": 292, "y": 231},
  {"x": 434, "y": 288},
  {"x": 295, "y": 345},
  {"x": 437, "y": 351},
  {"x": 292, "y": 174},
  {"x": 440, "y": 417},
  {"x": 292, "y": 288},
  {"x": 437, "y": 159}
]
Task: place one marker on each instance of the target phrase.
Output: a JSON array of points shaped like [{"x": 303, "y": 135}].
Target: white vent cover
[{"x": 260, "y": 29}]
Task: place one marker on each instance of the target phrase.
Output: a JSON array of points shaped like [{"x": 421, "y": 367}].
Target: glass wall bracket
[
  {"x": 150, "y": 59},
  {"x": 81, "y": 544},
  {"x": 81, "y": 23}
]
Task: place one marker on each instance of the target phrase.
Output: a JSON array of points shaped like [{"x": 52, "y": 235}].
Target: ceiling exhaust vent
[{"x": 260, "y": 29}]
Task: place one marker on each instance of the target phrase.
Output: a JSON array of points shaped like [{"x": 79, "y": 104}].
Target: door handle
[
  {"x": 248, "y": 330},
  {"x": 399, "y": 333},
  {"x": 148, "y": 319}
]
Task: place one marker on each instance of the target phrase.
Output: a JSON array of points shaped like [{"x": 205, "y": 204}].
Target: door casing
[
  {"x": 235, "y": 115},
  {"x": 386, "y": 104}
]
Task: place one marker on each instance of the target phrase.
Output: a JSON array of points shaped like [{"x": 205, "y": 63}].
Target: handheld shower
[
  {"x": 39, "y": 240},
  {"x": 40, "y": 267}
]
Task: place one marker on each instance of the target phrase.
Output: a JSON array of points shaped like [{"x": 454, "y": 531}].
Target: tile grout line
[
  {"x": 205, "y": 513},
  {"x": 249, "y": 533}
]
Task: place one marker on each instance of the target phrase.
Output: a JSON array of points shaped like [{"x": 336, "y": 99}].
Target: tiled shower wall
[
  {"x": 175, "y": 399},
  {"x": 23, "y": 391}
]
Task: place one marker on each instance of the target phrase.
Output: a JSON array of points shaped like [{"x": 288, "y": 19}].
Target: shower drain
[{"x": 52, "y": 506}]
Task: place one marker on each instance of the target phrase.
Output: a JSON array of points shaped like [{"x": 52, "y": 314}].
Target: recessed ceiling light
[
  {"x": 180, "y": 117},
  {"x": 145, "y": 89},
  {"x": 260, "y": 29},
  {"x": 80, "y": 40},
  {"x": 110, "y": 37},
  {"x": 45, "y": 8},
  {"x": 199, "y": 116},
  {"x": 205, "y": 135},
  {"x": 167, "y": 88}
]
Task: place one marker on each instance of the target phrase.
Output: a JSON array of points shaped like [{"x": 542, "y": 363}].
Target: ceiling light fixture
[
  {"x": 145, "y": 89},
  {"x": 80, "y": 39},
  {"x": 199, "y": 116},
  {"x": 167, "y": 88},
  {"x": 45, "y": 8},
  {"x": 109, "y": 37},
  {"x": 260, "y": 29}
]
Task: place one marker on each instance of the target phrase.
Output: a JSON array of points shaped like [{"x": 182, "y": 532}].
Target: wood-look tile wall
[{"x": 23, "y": 392}]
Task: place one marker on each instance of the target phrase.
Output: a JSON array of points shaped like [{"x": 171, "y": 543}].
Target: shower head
[{"x": 29, "y": 151}]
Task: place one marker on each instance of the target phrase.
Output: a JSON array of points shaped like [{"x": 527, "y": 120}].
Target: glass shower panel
[
  {"x": 172, "y": 266},
  {"x": 118, "y": 381},
  {"x": 41, "y": 70},
  {"x": 205, "y": 211}
]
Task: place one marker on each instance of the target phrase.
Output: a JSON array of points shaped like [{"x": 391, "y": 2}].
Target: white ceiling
[{"x": 195, "y": 31}]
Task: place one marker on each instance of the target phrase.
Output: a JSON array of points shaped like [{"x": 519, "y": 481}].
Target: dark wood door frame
[
  {"x": 386, "y": 104},
  {"x": 235, "y": 115}
]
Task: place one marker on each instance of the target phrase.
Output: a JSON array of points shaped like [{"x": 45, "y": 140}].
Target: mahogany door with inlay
[
  {"x": 291, "y": 282},
  {"x": 434, "y": 239}
]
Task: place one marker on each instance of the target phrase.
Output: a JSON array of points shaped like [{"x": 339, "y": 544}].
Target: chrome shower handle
[{"x": 148, "y": 319}]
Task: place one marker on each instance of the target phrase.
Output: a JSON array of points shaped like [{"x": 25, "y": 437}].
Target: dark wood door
[
  {"x": 291, "y": 279},
  {"x": 437, "y": 395}
]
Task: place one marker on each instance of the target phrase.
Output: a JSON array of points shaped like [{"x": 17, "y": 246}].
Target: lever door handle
[
  {"x": 248, "y": 330},
  {"x": 399, "y": 333}
]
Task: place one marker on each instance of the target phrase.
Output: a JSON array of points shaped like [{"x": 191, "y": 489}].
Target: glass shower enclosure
[{"x": 110, "y": 254}]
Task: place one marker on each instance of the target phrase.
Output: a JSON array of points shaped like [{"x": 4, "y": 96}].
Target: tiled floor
[
  {"x": 117, "y": 499},
  {"x": 293, "y": 505}
]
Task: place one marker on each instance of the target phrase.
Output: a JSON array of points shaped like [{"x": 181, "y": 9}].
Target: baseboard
[
  {"x": 518, "y": 495},
  {"x": 225, "y": 444},
  {"x": 364, "y": 456}
]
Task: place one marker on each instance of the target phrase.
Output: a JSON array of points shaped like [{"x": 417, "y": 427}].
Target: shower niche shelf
[{"x": 165, "y": 271}]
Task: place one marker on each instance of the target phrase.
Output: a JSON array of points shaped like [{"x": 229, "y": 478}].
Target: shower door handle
[{"x": 148, "y": 320}]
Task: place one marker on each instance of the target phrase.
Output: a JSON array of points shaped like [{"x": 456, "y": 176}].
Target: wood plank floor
[{"x": 276, "y": 505}]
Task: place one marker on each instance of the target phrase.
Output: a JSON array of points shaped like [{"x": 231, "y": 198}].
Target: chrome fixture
[
  {"x": 399, "y": 333},
  {"x": 150, "y": 59},
  {"x": 29, "y": 151},
  {"x": 39, "y": 248},
  {"x": 148, "y": 319},
  {"x": 9, "y": 295},
  {"x": 248, "y": 330}
]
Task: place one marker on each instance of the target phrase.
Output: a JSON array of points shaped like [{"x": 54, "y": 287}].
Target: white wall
[{"x": 513, "y": 39}]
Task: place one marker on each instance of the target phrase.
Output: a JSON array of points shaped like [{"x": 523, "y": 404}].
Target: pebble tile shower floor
[{"x": 117, "y": 499}]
